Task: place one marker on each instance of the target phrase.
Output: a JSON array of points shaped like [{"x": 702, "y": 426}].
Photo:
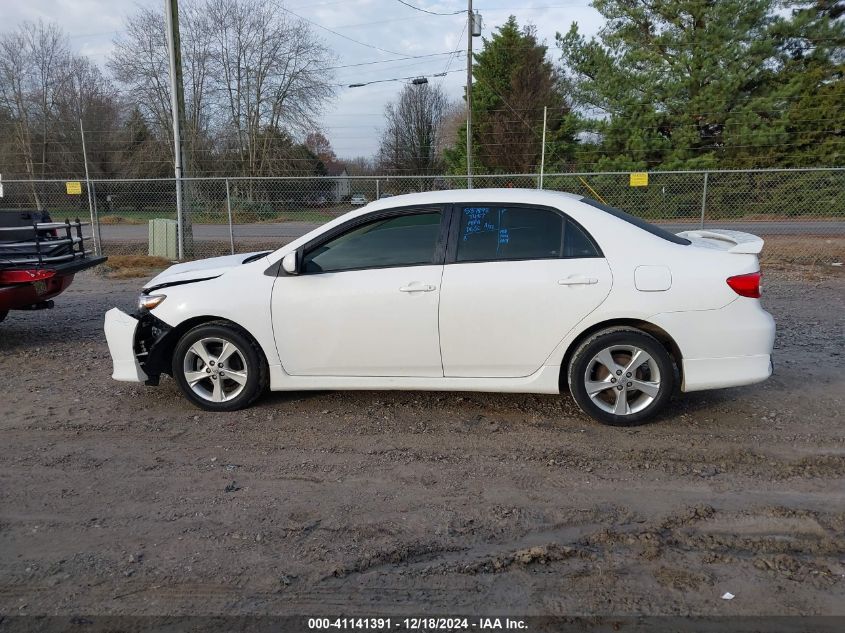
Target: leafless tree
[
  {"x": 454, "y": 120},
  {"x": 360, "y": 166},
  {"x": 33, "y": 64},
  {"x": 321, "y": 147},
  {"x": 268, "y": 69},
  {"x": 414, "y": 124},
  {"x": 140, "y": 64},
  {"x": 88, "y": 97},
  {"x": 252, "y": 73}
]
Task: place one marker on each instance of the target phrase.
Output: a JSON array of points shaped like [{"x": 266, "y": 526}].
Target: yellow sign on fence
[
  {"x": 74, "y": 188},
  {"x": 639, "y": 179}
]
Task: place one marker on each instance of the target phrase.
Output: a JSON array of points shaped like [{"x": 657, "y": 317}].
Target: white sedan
[{"x": 501, "y": 290}]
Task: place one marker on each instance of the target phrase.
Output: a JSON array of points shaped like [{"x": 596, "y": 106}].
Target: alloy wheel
[
  {"x": 215, "y": 369},
  {"x": 622, "y": 379}
]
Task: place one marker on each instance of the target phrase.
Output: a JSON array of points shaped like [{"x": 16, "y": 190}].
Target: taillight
[
  {"x": 25, "y": 276},
  {"x": 746, "y": 285}
]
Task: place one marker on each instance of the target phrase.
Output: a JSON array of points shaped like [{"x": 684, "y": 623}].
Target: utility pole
[
  {"x": 177, "y": 107},
  {"x": 543, "y": 149},
  {"x": 470, "y": 25}
]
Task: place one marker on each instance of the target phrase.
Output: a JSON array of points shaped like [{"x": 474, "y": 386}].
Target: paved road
[{"x": 290, "y": 230}]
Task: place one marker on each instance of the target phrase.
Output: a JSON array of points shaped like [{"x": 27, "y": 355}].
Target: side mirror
[{"x": 291, "y": 263}]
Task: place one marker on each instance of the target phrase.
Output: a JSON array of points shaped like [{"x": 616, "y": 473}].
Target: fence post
[
  {"x": 98, "y": 239},
  {"x": 98, "y": 248},
  {"x": 377, "y": 191},
  {"x": 543, "y": 150},
  {"x": 704, "y": 198},
  {"x": 229, "y": 209}
]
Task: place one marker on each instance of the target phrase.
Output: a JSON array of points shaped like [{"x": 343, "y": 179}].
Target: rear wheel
[
  {"x": 219, "y": 367},
  {"x": 621, "y": 376}
]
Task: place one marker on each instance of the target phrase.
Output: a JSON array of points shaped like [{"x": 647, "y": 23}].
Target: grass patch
[
  {"x": 131, "y": 266},
  {"x": 805, "y": 257},
  {"x": 802, "y": 250}
]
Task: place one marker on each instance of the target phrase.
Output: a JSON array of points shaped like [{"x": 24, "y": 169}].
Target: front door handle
[
  {"x": 577, "y": 280},
  {"x": 417, "y": 288}
]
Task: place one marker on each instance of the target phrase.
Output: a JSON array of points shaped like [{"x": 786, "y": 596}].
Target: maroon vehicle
[{"x": 38, "y": 259}]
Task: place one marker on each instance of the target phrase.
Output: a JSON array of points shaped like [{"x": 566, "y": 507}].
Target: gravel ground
[{"x": 123, "y": 499}]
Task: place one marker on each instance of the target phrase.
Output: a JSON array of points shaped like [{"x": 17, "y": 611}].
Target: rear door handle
[
  {"x": 417, "y": 288},
  {"x": 577, "y": 280}
]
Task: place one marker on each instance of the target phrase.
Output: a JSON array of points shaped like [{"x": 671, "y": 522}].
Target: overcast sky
[{"x": 353, "y": 120}]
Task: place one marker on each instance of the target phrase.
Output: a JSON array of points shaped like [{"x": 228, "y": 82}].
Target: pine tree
[
  {"x": 812, "y": 83},
  {"x": 678, "y": 83},
  {"x": 513, "y": 81}
]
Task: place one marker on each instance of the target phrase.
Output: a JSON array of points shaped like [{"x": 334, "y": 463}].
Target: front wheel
[
  {"x": 621, "y": 376},
  {"x": 219, "y": 368}
]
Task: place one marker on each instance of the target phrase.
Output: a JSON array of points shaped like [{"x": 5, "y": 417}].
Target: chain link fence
[{"x": 799, "y": 212}]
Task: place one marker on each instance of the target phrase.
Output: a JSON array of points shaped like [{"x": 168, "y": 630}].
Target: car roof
[{"x": 513, "y": 195}]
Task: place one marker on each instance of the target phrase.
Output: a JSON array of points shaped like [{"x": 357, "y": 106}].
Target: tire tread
[
  {"x": 608, "y": 418},
  {"x": 263, "y": 370}
]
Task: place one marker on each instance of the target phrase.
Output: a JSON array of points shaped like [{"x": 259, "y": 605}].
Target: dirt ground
[{"x": 124, "y": 499}]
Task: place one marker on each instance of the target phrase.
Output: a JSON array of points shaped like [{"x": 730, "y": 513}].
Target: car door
[
  {"x": 366, "y": 300},
  {"x": 517, "y": 278}
]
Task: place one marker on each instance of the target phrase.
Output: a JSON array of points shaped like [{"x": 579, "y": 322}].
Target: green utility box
[{"x": 163, "y": 238}]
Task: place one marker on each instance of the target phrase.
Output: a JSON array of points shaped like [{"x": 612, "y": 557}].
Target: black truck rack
[{"x": 44, "y": 244}]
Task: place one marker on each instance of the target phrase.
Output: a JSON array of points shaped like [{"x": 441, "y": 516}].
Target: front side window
[
  {"x": 402, "y": 240},
  {"x": 502, "y": 233}
]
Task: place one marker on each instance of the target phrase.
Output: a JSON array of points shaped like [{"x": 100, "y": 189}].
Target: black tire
[
  {"x": 249, "y": 360},
  {"x": 636, "y": 401},
  {"x": 3, "y": 314}
]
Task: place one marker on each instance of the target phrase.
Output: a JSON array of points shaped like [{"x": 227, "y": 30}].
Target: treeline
[
  {"x": 676, "y": 84},
  {"x": 256, "y": 80},
  {"x": 680, "y": 84}
]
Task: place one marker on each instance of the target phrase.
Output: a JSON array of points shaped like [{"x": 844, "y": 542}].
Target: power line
[
  {"x": 346, "y": 37},
  {"x": 407, "y": 4},
  {"x": 380, "y": 81},
  {"x": 458, "y": 50},
  {"x": 392, "y": 69},
  {"x": 386, "y": 61}
]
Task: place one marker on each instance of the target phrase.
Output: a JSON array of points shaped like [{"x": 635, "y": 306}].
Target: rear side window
[
  {"x": 404, "y": 240},
  {"x": 502, "y": 233},
  {"x": 638, "y": 222},
  {"x": 510, "y": 233}
]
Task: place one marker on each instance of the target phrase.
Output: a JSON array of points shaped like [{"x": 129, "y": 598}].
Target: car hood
[{"x": 200, "y": 269}]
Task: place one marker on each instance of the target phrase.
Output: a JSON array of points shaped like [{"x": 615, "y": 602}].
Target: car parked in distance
[
  {"x": 358, "y": 199},
  {"x": 501, "y": 290}
]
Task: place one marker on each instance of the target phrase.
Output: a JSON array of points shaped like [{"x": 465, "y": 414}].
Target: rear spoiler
[{"x": 723, "y": 239}]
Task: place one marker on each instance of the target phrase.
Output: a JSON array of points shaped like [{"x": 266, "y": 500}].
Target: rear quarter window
[{"x": 638, "y": 222}]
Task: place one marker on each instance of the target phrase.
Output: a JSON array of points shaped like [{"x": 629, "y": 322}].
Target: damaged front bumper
[
  {"x": 120, "y": 331},
  {"x": 138, "y": 345}
]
